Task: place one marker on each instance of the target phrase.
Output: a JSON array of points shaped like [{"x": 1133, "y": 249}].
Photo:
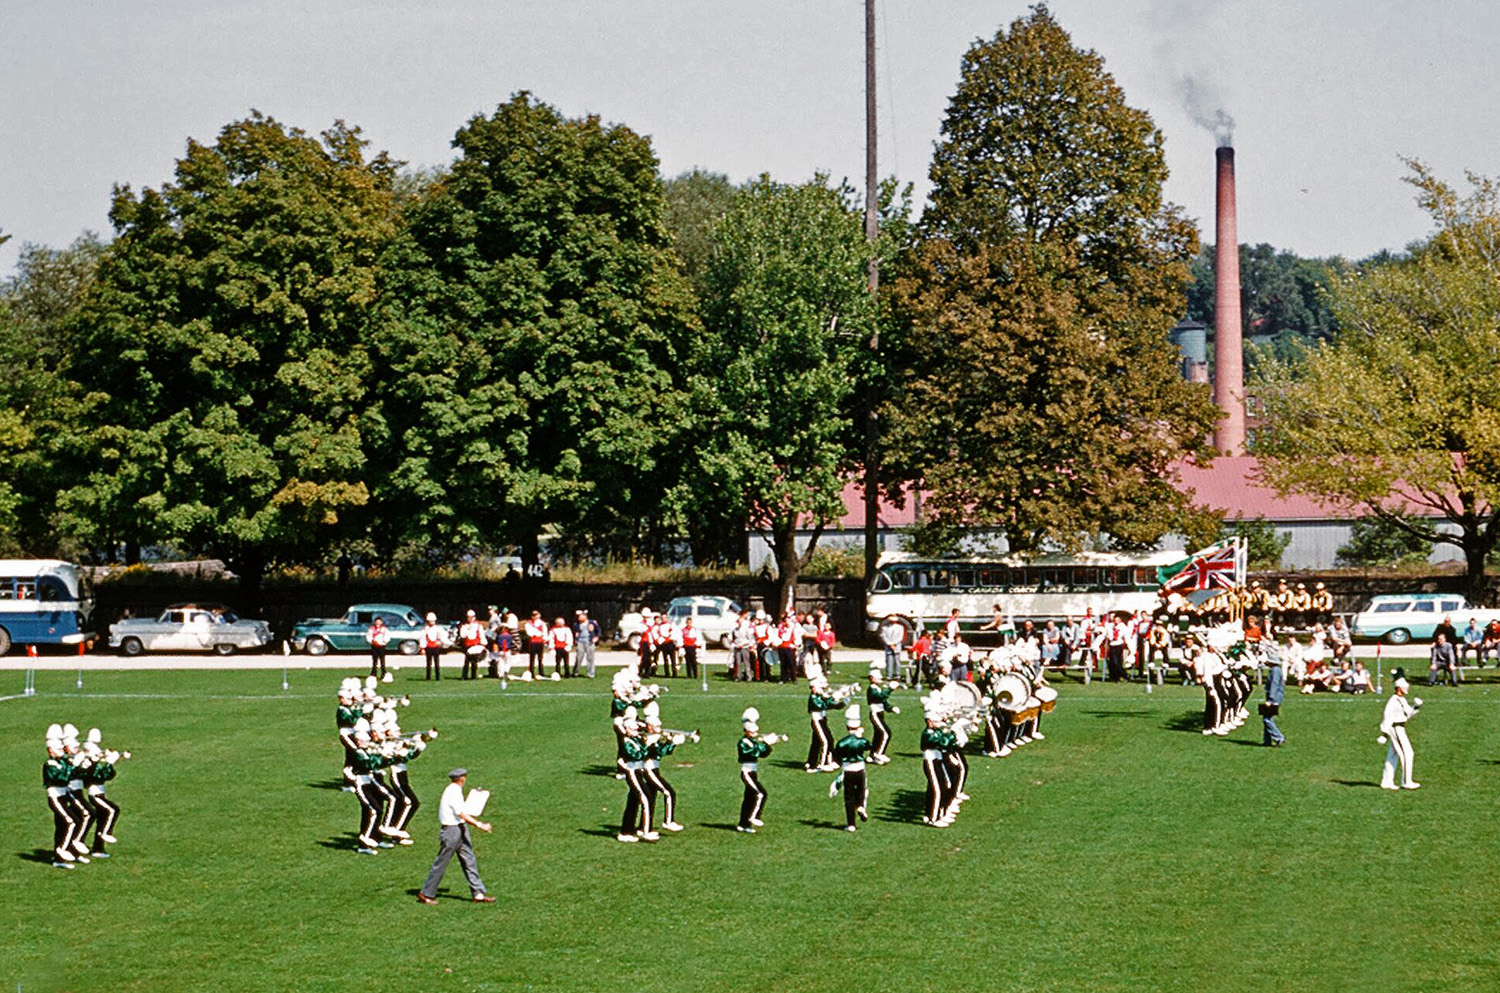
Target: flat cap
[{"x": 458, "y": 773}]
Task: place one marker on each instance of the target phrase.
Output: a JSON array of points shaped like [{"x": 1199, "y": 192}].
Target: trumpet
[
  {"x": 772, "y": 738},
  {"x": 843, "y": 693},
  {"x": 680, "y": 736}
]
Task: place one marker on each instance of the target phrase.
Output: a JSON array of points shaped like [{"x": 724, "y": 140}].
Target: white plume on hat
[
  {"x": 652, "y": 710},
  {"x": 631, "y": 713},
  {"x": 95, "y": 736},
  {"x": 750, "y": 714},
  {"x": 371, "y": 682},
  {"x": 814, "y": 670},
  {"x": 362, "y": 727},
  {"x": 69, "y": 731},
  {"x": 54, "y": 731},
  {"x": 876, "y": 666}
]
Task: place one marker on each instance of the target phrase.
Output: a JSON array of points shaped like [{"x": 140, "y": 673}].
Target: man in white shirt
[
  {"x": 1398, "y": 710},
  {"x": 892, "y": 639},
  {"x": 453, "y": 837}
]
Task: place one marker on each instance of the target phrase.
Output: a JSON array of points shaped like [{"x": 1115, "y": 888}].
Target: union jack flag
[{"x": 1217, "y": 567}]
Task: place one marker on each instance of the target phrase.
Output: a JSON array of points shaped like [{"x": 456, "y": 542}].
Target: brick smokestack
[{"x": 1229, "y": 356}]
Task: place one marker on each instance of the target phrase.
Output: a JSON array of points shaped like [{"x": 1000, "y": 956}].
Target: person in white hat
[
  {"x": 78, "y": 798},
  {"x": 878, "y": 699},
  {"x": 659, "y": 744},
  {"x": 850, "y": 752},
  {"x": 750, "y": 749},
  {"x": 1398, "y": 710},
  {"x": 936, "y": 740},
  {"x": 434, "y": 639},
  {"x": 372, "y": 794},
  {"x": 820, "y": 746},
  {"x": 99, "y": 771},
  {"x": 635, "y": 822},
  {"x": 56, "y": 772},
  {"x": 346, "y": 715}
]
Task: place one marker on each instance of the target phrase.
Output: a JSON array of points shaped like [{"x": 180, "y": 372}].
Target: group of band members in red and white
[
  {"x": 662, "y": 638},
  {"x": 376, "y": 756},
  {"x": 74, "y": 777},
  {"x": 758, "y": 646}
]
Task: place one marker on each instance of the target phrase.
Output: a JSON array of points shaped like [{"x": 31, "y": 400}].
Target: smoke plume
[{"x": 1205, "y": 106}]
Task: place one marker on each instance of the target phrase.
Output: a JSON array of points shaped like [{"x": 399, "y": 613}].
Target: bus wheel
[
  {"x": 4, "y": 642},
  {"x": 131, "y": 647}
]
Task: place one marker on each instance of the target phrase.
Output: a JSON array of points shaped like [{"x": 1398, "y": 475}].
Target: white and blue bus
[
  {"x": 42, "y": 602},
  {"x": 920, "y": 592}
]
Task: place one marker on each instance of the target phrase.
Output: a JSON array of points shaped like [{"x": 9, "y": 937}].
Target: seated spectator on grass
[
  {"x": 1491, "y": 643},
  {"x": 1294, "y": 659},
  {"x": 1358, "y": 681}
]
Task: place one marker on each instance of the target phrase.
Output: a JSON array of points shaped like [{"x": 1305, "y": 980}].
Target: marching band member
[
  {"x": 958, "y": 769},
  {"x": 536, "y": 644},
  {"x": 850, "y": 752},
  {"x": 935, "y": 739},
  {"x": 78, "y": 798},
  {"x": 379, "y": 636},
  {"x": 1398, "y": 710},
  {"x": 659, "y": 745},
  {"x": 878, "y": 699},
  {"x": 371, "y": 794},
  {"x": 750, "y": 749},
  {"x": 471, "y": 635},
  {"x": 692, "y": 640},
  {"x": 560, "y": 638},
  {"x": 635, "y": 822},
  {"x": 820, "y": 747},
  {"x": 100, "y": 770},
  {"x": 433, "y": 640},
  {"x": 56, "y": 772},
  {"x": 622, "y": 689},
  {"x": 345, "y": 717}
]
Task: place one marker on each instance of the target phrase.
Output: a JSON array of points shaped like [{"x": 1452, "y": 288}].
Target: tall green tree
[
  {"x": 225, "y": 333},
  {"x": 1397, "y": 415},
  {"x": 1039, "y": 394},
  {"x": 786, "y": 313},
  {"x": 695, "y": 200},
  {"x": 41, "y": 410},
  {"x": 535, "y": 321}
]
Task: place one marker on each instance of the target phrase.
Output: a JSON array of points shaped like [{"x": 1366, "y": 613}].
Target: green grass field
[{"x": 1126, "y": 852}]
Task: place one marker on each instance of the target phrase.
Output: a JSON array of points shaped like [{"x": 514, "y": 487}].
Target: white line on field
[{"x": 15, "y": 696}]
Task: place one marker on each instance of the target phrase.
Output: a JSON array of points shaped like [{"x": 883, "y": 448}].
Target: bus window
[
  {"x": 1021, "y": 576},
  {"x": 7, "y": 589},
  {"x": 1118, "y": 577},
  {"x": 993, "y": 579},
  {"x": 935, "y": 578},
  {"x": 883, "y": 582},
  {"x": 52, "y": 589},
  {"x": 961, "y": 579}
]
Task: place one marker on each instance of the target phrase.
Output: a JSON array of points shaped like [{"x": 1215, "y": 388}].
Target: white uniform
[{"x": 1398, "y": 710}]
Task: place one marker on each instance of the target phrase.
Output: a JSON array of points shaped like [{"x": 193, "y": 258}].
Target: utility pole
[{"x": 872, "y": 229}]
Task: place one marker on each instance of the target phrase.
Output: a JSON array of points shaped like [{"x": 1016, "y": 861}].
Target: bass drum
[
  {"x": 961, "y": 696},
  {"x": 1047, "y": 696},
  {"x": 1011, "y": 692}
]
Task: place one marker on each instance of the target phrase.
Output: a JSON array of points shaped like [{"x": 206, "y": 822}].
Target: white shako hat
[
  {"x": 95, "y": 736},
  {"x": 371, "y": 682},
  {"x": 814, "y": 670},
  {"x": 877, "y": 667},
  {"x": 69, "y": 731},
  {"x": 750, "y": 715},
  {"x": 652, "y": 712},
  {"x": 54, "y": 731},
  {"x": 851, "y": 716},
  {"x": 1402, "y": 684},
  {"x": 630, "y": 713},
  {"x": 361, "y": 728}
]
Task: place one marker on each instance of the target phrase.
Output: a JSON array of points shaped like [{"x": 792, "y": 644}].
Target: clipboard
[{"x": 475, "y": 801}]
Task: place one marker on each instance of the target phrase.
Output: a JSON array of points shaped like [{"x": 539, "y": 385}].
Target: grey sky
[{"x": 1327, "y": 94}]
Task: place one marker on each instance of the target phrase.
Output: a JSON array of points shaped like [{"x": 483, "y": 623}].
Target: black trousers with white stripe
[
  {"x": 404, "y": 800},
  {"x": 83, "y": 814},
  {"x": 1213, "y": 705},
  {"x": 372, "y": 797},
  {"x": 106, "y": 813},
  {"x": 754, "y": 800},
  {"x": 820, "y": 747},
  {"x": 882, "y": 733},
  {"x": 939, "y": 789},
  {"x": 637, "y": 806},
  {"x": 656, "y": 786},
  {"x": 63, "y": 822}
]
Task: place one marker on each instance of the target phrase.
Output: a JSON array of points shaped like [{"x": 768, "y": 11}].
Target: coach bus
[
  {"x": 42, "y": 602},
  {"x": 921, "y": 592}
]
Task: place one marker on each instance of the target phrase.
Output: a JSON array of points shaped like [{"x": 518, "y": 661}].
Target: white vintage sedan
[{"x": 189, "y": 627}]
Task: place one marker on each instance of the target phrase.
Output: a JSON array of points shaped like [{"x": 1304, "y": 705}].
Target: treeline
[{"x": 297, "y": 350}]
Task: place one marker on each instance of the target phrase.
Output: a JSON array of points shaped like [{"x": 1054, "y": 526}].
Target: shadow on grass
[
  {"x": 441, "y": 895},
  {"x": 1102, "y": 714},
  {"x": 597, "y": 770},
  {"x": 599, "y": 832},
  {"x": 1247, "y": 741},
  {"x": 905, "y": 806},
  {"x": 1357, "y": 782},
  {"x": 826, "y": 825},
  {"x": 342, "y": 843},
  {"x": 45, "y": 856},
  {"x": 1191, "y": 721},
  {"x": 327, "y": 784},
  {"x": 788, "y": 764},
  {"x": 721, "y": 827}
]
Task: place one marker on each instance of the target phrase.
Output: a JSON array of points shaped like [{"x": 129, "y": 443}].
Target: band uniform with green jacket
[{"x": 850, "y": 752}]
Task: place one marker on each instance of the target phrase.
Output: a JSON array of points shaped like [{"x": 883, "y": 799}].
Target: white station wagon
[{"x": 189, "y": 627}]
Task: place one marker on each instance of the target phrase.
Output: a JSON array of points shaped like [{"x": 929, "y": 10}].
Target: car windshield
[{"x": 735, "y": 608}]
